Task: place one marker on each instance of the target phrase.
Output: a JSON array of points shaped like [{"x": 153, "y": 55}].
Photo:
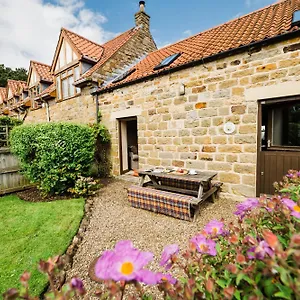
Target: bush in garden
[
  {"x": 10, "y": 121},
  {"x": 290, "y": 185},
  {"x": 84, "y": 186},
  {"x": 256, "y": 257},
  {"x": 102, "y": 161},
  {"x": 54, "y": 155}
]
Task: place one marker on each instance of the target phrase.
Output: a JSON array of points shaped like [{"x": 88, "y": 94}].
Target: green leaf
[
  {"x": 237, "y": 295},
  {"x": 221, "y": 283},
  {"x": 282, "y": 295}
]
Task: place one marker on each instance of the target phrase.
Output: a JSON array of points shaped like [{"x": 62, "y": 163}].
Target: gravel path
[{"x": 113, "y": 219}]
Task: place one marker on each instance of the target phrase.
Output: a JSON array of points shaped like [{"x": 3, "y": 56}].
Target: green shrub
[
  {"x": 84, "y": 186},
  {"x": 10, "y": 121},
  {"x": 102, "y": 166},
  {"x": 54, "y": 155}
]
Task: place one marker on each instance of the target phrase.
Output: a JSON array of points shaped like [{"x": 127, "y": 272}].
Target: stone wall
[
  {"x": 80, "y": 109},
  {"x": 187, "y": 131}
]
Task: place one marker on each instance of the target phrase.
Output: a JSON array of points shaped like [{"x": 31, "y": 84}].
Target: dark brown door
[{"x": 278, "y": 141}]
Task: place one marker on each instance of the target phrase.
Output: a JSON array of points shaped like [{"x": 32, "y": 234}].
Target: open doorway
[{"x": 128, "y": 144}]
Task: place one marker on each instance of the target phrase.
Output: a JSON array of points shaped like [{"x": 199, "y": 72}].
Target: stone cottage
[{"x": 225, "y": 100}]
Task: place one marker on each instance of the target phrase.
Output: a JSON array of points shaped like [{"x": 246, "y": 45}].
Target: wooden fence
[{"x": 10, "y": 178}]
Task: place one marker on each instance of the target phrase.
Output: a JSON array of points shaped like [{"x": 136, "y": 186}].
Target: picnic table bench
[{"x": 173, "y": 194}]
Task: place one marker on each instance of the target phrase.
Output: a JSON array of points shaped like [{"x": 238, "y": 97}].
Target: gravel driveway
[{"x": 113, "y": 219}]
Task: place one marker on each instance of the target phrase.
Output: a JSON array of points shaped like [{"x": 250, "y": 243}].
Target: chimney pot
[{"x": 142, "y": 5}]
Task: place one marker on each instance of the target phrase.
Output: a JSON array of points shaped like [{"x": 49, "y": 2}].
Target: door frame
[
  {"x": 262, "y": 102},
  {"x": 120, "y": 120}
]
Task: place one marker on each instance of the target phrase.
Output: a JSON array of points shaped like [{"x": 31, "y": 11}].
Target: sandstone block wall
[{"x": 187, "y": 130}]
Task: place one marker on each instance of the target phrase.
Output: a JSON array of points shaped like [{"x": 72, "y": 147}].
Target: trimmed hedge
[{"x": 54, "y": 155}]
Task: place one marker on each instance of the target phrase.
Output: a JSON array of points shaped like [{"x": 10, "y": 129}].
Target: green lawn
[{"x": 33, "y": 231}]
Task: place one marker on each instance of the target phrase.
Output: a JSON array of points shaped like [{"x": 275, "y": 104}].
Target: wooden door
[{"x": 278, "y": 141}]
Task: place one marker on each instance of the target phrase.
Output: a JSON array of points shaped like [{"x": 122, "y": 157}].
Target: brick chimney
[{"x": 141, "y": 18}]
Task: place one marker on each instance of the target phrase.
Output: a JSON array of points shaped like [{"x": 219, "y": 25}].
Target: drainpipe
[
  {"x": 47, "y": 111},
  {"x": 97, "y": 109}
]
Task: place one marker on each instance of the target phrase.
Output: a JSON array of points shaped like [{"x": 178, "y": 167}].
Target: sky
[{"x": 29, "y": 29}]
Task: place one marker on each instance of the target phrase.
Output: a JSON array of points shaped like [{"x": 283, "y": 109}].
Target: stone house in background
[{"x": 225, "y": 100}]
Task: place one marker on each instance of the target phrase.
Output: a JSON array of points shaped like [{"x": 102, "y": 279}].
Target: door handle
[{"x": 262, "y": 173}]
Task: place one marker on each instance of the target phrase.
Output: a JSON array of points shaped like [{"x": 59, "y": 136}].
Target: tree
[{"x": 8, "y": 73}]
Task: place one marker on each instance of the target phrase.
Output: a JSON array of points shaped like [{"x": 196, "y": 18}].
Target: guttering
[{"x": 204, "y": 60}]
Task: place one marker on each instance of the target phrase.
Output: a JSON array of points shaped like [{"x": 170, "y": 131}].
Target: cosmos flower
[
  {"x": 165, "y": 277},
  {"x": 214, "y": 228},
  {"x": 245, "y": 206},
  {"x": 124, "y": 263},
  {"x": 204, "y": 245},
  {"x": 77, "y": 284},
  {"x": 260, "y": 251},
  {"x": 167, "y": 254},
  {"x": 293, "y": 207}
]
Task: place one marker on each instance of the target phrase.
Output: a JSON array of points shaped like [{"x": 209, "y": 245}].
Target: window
[
  {"x": 34, "y": 91},
  {"x": 123, "y": 76},
  {"x": 64, "y": 83},
  {"x": 281, "y": 125},
  {"x": 167, "y": 61}
]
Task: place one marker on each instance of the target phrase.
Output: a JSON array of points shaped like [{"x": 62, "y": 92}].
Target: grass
[{"x": 33, "y": 231}]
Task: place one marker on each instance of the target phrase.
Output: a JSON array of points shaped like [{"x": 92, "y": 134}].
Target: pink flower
[
  {"x": 123, "y": 263},
  {"x": 293, "y": 206},
  {"x": 167, "y": 254},
  {"x": 204, "y": 245},
  {"x": 214, "y": 228},
  {"x": 165, "y": 277},
  {"x": 260, "y": 251},
  {"x": 245, "y": 206},
  {"x": 77, "y": 284}
]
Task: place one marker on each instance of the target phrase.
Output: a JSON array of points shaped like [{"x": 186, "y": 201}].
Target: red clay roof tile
[
  {"x": 110, "y": 48},
  {"x": 84, "y": 46},
  {"x": 43, "y": 70},
  {"x": 271, "y": 21},
  {"x": 15, "y": 85},
  {"x": 2, "y": 94}
]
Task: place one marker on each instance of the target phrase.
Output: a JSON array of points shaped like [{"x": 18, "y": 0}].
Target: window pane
[
  {"x": 65, "y": 88},
  {"x": 71, "y": 86},
  {"x": 58, "y": 88},
  {"x": 286, "y": 125},
  {"x": 76, "y": 73}
]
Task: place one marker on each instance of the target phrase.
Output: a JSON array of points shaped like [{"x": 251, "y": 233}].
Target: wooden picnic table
[{"x": 202, "y": 180}]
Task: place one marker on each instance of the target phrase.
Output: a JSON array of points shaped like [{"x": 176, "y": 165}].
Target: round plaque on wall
[{"x": 229, "y": 127}]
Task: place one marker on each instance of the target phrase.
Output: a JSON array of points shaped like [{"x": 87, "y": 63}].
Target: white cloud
[
  {"x": 30, "y": 29},
  {"x": 187, "y": 33}
]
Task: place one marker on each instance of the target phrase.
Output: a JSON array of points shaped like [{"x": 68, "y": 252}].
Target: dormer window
[
  {"x": 296, "y": 18},
  {"x": 64, "y": 83}
]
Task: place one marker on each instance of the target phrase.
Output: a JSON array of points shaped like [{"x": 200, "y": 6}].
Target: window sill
[{"x": 62, "y": 100}]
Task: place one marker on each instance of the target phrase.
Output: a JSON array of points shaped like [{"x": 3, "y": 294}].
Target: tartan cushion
[
  {"x": 167, "y": 203},
  {"x": 180, "y": 183}
]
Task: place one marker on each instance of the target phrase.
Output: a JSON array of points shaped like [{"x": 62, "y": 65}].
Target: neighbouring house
[
  {"x": 226, "y": 99},
  {"x": 13, "y": 96}
]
